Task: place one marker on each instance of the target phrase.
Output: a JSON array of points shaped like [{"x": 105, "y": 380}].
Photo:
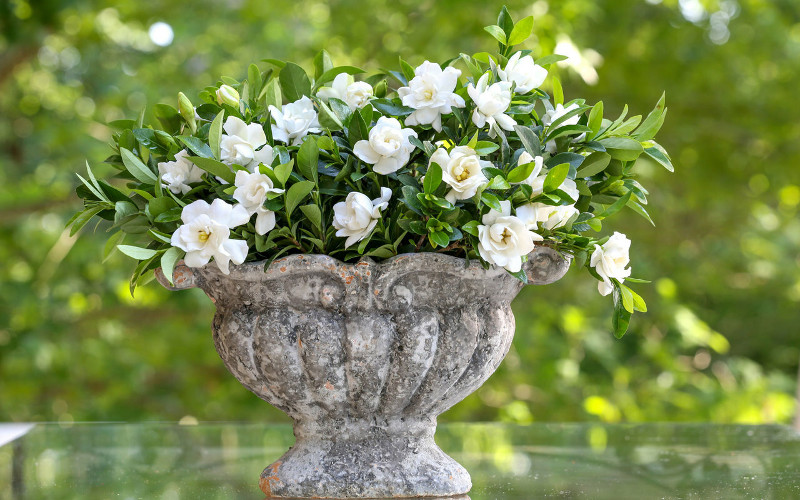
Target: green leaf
[
  {"x": 484, "y": 148},
  {"x": 168, "y": 116},
  {"x": 639, "y": 209},
  {"x": 652, "y": 124},
  {"x": 137, "y": 252},
  {"x": 594, "y": 164},
  {"x": 391, "y": 107},
  {"x": 139, "y": 170},
  {"x": 616, "y": 206},
  {"x": 322, "y": 63},
  {"x": 439, "y": 238},
  {"x": 504, "y": 21},
  {"x": 283, "y": 172},
  {"x": 622, "y": 317},
  {"x": 471, "y": 227},
  {"x": 520, "y": 275},
  {"x": 638, "y": 302},
  {"x": 294, "y": 82},
  {"x": 272, "y": 94},
  {"x": 433, "y": 178},
  {"x": 254, "y": 78},
  {"x": 622, "y": 148},
  {"x": 521, "y": 172},
  {"x": 407, "y": 69},
  {"x": 596, "y": 118},
  {"x": 658, "y": 153},
  {"x": 197, "y": 146},
  {"x": 491, "y": 201},
  {"x": 522, "y": 30},
  {"x": 307, "y": 159},
  {"x": 555, "y": 177},
  {"x": 328, "y": 119},
  {"x": 171, "y": 215},
  {"x": 215, "y": 168},
  {"x": 498, "y": 182},
  {"x": 558, "y": 92},
  {"x": 82, "y": 218},
  {"x": 313, "y": 214},
  {"x": 275, "y": 62},
  {"x": 529, "y": 140},
  {"x": 168, "y": 262},
  {"x": 331, "y": 73},
  {"x": 497, "y": 32},
  {"x": 627, "y": 297},
  {"x": 296, "y": 193},
  {"x": 552, "y": 58},
  {"x": 158, "y": 206},
  {"x": 215, "y": 134}
]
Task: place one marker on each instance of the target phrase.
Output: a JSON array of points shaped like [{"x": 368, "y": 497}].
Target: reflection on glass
[{"x": 222, "y": 461}]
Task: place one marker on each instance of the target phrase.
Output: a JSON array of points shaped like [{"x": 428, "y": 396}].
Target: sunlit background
[{"x": 721, "y": 341}]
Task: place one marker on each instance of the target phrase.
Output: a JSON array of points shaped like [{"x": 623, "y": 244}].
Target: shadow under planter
[{"x": 364, "y": 357}]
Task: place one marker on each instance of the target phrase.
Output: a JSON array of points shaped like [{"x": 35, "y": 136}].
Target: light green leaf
[
  {"x": 322, "y": 63},
  {"x": 652, "y": 124},
  {"x": 272, "y": 94},
  {"x": 168, "y": 262},
  {"x": 137, "y": 168},
  {"x": 215, "y": 134},
  {"x": 521, "y": 172},
  {"x": 497, "y": 32},
  {"x": 282, "y": 172},
  {"x": 622, "y": 148},
  {"x": 658, "y": 153},
  {"x": 522, "y": 30},
  {"x": 555, "y": 177},
  {"x": 596, "y": 118},
  {"x": 137, "y": 252},
  {"x": 558, "y": 92}
]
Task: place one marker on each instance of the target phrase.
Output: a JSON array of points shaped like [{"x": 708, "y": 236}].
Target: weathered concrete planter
[{"x": 364, "y": 357}]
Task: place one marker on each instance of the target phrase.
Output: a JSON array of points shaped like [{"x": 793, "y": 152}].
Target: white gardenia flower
[
  {"x": 357, "y": 215},
  {"x": 295, "y": 121},
  {"x": 523, "y": 72},
  {"x": 251, "y": 193},
  {"x": 239, "y": 145},
  {"x": 388, "y": 147},
  {"x": 491, "y": 102},
  {"x": 431, "y": 94},
  {"x": 228, "y": 95},
  {"x": 205, "y": 234},
  {"x": 552, "y": 114},
  {"x": 503, "y": 239},
  {"x": 462, "y": 170},
  {"x": 178, "y": 174},
  {"x": 345, "y": 88},
  {"x": 610, "y": 260},
  {"x": 550, "y": 217},
  {"x": 536, "y": 180}
]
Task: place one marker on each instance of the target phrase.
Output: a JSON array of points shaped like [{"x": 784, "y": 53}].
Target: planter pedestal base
[{"x": 366, "y": 462}]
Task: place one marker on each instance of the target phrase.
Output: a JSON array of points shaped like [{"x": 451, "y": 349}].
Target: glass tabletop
[{"x": 224, "y": 460}]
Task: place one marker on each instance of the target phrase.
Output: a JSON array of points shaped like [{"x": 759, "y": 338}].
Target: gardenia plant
[{"x": 470, "y": 157}]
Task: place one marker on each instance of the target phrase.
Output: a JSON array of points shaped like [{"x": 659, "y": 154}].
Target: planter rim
[{"x": 545, "y": 265}]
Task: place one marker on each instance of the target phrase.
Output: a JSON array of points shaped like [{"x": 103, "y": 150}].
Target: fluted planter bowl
[{"x": 364, "y": 357}]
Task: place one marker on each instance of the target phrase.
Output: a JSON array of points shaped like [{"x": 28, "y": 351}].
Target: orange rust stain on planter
[
  {"x": 328, "y": 385},
  {"x": 348, "y": 280},
  {"x": 265, "y": 482},
  {"x": 377, "y": 292},
  {"x": 283, "y": 269}
]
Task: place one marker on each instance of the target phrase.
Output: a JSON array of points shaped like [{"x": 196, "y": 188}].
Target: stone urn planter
[{"x": 364, "y": 357}]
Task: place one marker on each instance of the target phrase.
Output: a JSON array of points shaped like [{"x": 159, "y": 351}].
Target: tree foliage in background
[{"x": 720, "y": 340}]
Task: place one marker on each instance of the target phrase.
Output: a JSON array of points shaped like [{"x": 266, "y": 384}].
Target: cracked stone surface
[{"x": 364, "y": 357}]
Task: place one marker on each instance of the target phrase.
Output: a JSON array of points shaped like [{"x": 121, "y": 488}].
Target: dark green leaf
[
  {"x": 197, "y": 146},
  {"x": 594, "y": 164},
  {"x": 529, "y": 140},
  {"x": 308, "y": 158},
  {"x": 313, "y": 214},
  {"x": 294, "y": 82},
  {"x": 331, "y": 73},
  {"x": 433, "y": 178}
]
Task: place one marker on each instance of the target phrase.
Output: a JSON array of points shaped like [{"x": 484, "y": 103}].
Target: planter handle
[{"x": 183, "y": 277}]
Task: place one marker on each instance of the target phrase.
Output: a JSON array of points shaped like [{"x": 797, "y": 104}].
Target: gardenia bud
[
  {"x": 187, "y": 111},
  {"x": 228, "y": 95}
]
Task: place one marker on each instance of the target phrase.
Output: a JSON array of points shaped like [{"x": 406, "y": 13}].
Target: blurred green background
[{"x": 721, "y": 341}]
